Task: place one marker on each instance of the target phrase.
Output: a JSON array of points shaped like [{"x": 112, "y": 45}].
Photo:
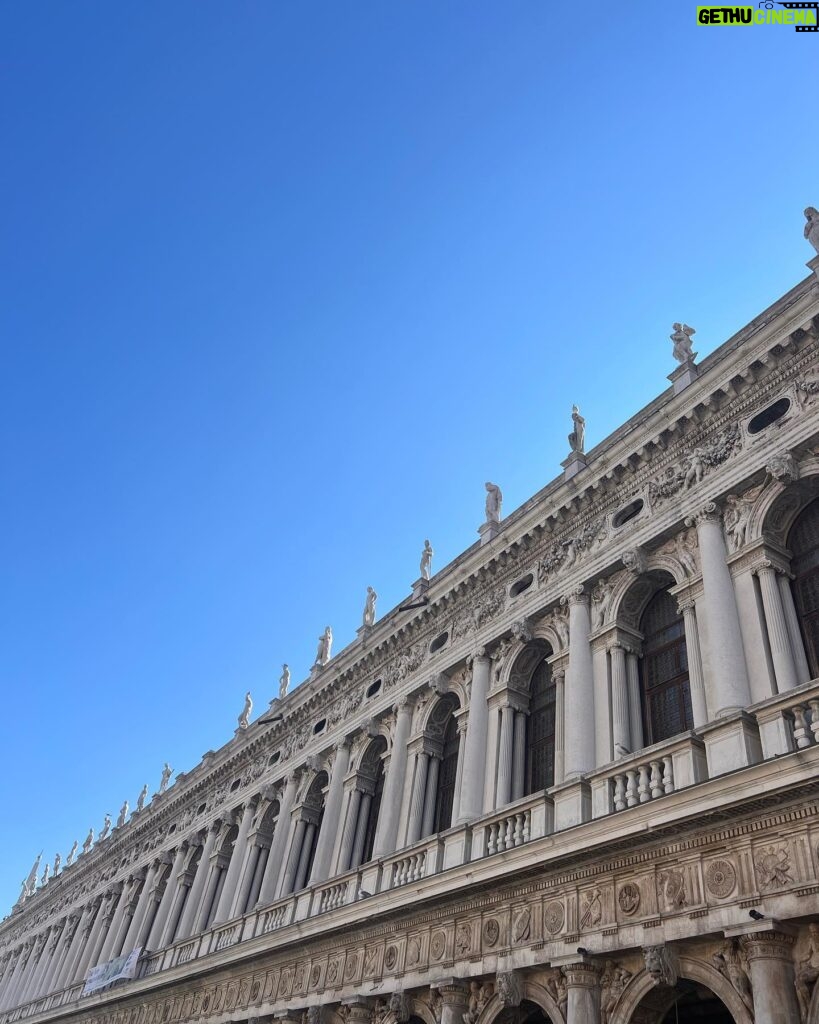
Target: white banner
[{"x": 115, "y": 970}]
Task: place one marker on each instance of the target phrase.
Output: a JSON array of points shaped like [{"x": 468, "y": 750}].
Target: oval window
[
  {"x": 373, "y": 688},
  {"x": 317, "y": 728},
  {"x": 201, "y": 808},
  {"x": 768, "y": 416},
  {"x": 522, "y": 585},
  {"x": 235, "y": 785},
  {"x": 438, "y": 643},
  {"x": 274, "y": 757},
  {"x": 631, "y": 510}
]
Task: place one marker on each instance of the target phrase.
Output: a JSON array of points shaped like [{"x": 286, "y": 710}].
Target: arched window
[
  {"x": 540, "y": 730},
  {"x": 665, "y": 690},
  {"x": 447, "y": 776},
  {"x": 803, "y": 542}
]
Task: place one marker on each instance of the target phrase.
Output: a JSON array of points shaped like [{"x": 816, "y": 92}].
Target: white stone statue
[
  {"x": 58, "y": 859},
  {"x": 494, "y": 499},
  {"x": 812, "y": 226},
  {"x": 106, "y": 827},
  {"x": 426, "y": 560},
  {"x": 89, "y": 841},
  {"x": 46, "y": 873},
  {"x": 577, "y": 438},
  {"x": 167, "y": 772},
  {"x": 682, "y": 343},
  {"x": 369, "y": 607},
  {"x": 30, "y": 884},
  {"x": 72, "y": 853},
  {"x": 284, "y": 681},
  {"x": 123, "y": 815},
  {"x": 143, "y": 795},
  {"x": 325, "y": 646},
  {"x": 244, "y": 717}
]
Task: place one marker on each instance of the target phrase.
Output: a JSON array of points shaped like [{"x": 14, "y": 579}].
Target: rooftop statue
[
  {"x": 167, "y": 772},
  {"x": 72, "y": 853},
  {"x": 123, "y": 815},
  {"x": 244, "y": 718},
  {"x": 106, "y": 827},
  {"x": 494, "y": 499},
  {"x": 812, "y": 226},
  {"x": 58, "y": 859},
  {"x": 143, "y": 793},
  {"x": 89, "y": 841},
  {"x": 682, "y": 343},
  {"x": 426, "y": 560},
  {"x": 46, "y": 873},
  {"x": 325, "y": 646},
  {"x": 30, "y": 883},
  {"x": 369, "y": 607},
  {"x": 577, "y": 438},
  {"x": 284, "y": 681}
]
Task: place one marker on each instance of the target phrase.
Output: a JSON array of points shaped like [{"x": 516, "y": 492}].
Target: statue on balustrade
[
  {"x": 89, "y": 841},
  {"x": 577, "y": 438},
  {"x": 123, "y": 815},
  {"x": 72, "y": 853},
  {"x": 106, "y": 827},
  {"x": 812, "y": 226},
  {"x": 369, "y": 607},
  {"x": 284, "y": 681},
  {"x": 426, "y": 560},
  {"x": 244, "y": 717},
  {"x": 494, "y": 499},
  {"x": 167, "y": 772},
  {"x": 325, "y": 646},
  {"x": 682, "y": 343},
  {"x": 143, "y": 794}
]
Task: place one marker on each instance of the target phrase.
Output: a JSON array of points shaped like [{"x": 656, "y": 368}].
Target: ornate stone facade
[{"x": 573, "y": 779}]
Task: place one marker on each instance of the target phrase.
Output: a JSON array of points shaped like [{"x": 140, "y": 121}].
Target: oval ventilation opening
[
  {"x": 317, "y": 728},
  {"x": 631, "y": 510},
  {"x": 438, "y": 643},
  {"x": 768, "y": 416},
  {"x": 201, "y": 809},
  {"x": 235, "y": 785},
  {"x": 274, "y": 757},
  {"x": 373, "y": 688},
  {"x": 522, "y": 585}
]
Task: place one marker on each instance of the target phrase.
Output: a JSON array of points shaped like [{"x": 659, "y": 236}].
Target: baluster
[
  {"x": 527, "y": 826},
  {"x": 631, "y": 792},
  {"x": 518, "y": 829},
  {"x": 814, "y": 719},
  {"x": 642, "y": 788},
  {"x": 800, "y": 731},
  {"x": 668, "y": 774},
  {"x": 656, "y": 780},
  {"x": 492, "y": 840},
  {"x": 619, "y": 792}
]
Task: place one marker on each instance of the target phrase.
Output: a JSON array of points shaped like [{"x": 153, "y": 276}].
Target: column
[
  {"x": 102, "y": 920},
  {"x": 797, "y": 645},
  {"x": 241, "y": 903},
  {"x": 52, "y": 978},
  {"x": 361, "y": 829},
  {"x": 507, "y": 731},
  {"x": 213, "y": 887},
  {"x": 227, "y": 900},
  {"x": 582, "y": 983},
  {"x": 113, "y": 926},
  {"x": 386, "y": 837},
  {"x": 621, "y": 731},
  {"x": 635, "y": 707},
  {"x": 56, "y": 948},
  {"x": 603, "y": 747},
  {"x": 778, "y": 635},
  {"x": 143, "y": 904},
  {"x": 419, "y": 790},
  {"x": 491, "y": 773},
  {"x": 74, "y": 969},
  {"x": 304, "y": 855},
  {"x": 463, "y": 723},
  {"x": 32, "y": 968},
  {"x": 172, "y": 891},
  {"x": 332, "y": 813},
  {"x": 274, "y": 868},
  {"x": 726, "y": 673},
  {"x": 430, "y": 798},
  {"x": 770, "y": 959},
  {"x": 579, "y": 704},
  {"x": 345, "y": 855},
  {"x": 294, "y": 854},
  {"x": 519, "y": 756},
  {"x": 559, "y": 676},
  {"x": 19, "y": 968},
  {"x": 696, "y": 682},
  {"x": 471, "y": 802},
  {"x": 454, "y": 1002},
  {"x": 191, "y": 910},
  {"x": 758, "y": 659}
]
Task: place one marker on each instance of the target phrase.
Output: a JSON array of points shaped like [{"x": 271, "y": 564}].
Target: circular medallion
[
  {"x": 437, "y": 945},
  {"x": 628, "y": 898},
  {"x": 554, "y": 915},
  {"x": 491, "y": 931},
  {"x": 720, "y": 878},
  {"x": 390, "y": 957}
]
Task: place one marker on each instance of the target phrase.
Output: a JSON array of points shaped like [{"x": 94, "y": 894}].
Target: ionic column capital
[
  {"x": 582, "y": 975},
  {"x": 766, "y": 945},
  {"x": 578, "y": 595},
  {"x": 709, "y": 513}
]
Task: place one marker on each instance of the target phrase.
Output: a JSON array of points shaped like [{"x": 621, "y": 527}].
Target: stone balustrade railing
[
  {"x": 408, "y": 869},
  {"x": 332, "y": 896},
  {"x": 226, "y": 936},
  {"x": 528, "y": 818},
  {"x": 789, "y": 721}
]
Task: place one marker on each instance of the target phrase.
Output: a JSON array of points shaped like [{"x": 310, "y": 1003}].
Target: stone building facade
[{"x": 572, "y": 779}]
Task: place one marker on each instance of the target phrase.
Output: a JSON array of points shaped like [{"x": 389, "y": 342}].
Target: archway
[{"x": 700, "y": 995}]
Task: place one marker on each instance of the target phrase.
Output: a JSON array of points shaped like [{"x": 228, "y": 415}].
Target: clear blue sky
[{"x": 283, "y": 284}]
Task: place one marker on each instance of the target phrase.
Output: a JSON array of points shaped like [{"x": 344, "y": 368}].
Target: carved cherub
[{"x": 682, "y": 343}]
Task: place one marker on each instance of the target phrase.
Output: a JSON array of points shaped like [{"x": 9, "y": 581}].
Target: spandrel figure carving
[
  {"x": 143, "y": 795},
  {"x": 812, "y": 226},
  {"x": 807, "y": 971},
  {"x": 577, "y": 438},
  {"x": 167, "y": 772},
  {"x": 325, "y": 646},
  {"x": 729, "y": 963},
  {"x": 682, "y": 343},
  {"x": 284, "y": 681},
  {"x": 426, "y": 560},
  {"x": 123, "y": 815},
  {"x": 369, "y": 607},
  {"x": 72, "y": 853},
  {"x": 494, "y": 499},
  {"x": 244, "y": 717}
]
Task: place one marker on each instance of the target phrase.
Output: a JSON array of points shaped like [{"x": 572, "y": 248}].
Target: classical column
[
  {"x": 386, "y": 836},
  {"x": 228, "y": 897},
  {"x": 293, "y": 857},
  {"x": 419, "y": 789},
  {"x": 242, "y": 903},
  {"x": 90, "y": 956},
  {"x": 463, "y": 724},
  {"x": 33, "y": 968},
  {"x": 471, "y": 802},
  {"x": 361, "y": 829},
  {"x": 758, "y": 659},
  {"x": 274, "y": 868},
  {"x": 621, "y": 731},
  {"x": 603, "y": 746},
  {"x": 579, "y": 703},
  {"x": 696, "y": 682},
  {"x": 430, "y": 798},
  {"x": 345, "y": 855},
  {"x": 82, "y": 940},
  {"x": 507, "y": 732},
  {"x": 519, "y": 756},
  {"x": 170, "y": 897},
  {"x": 635, "y": 707},
  {"x": 726, "y": 676},
  {"x": 792, "y": 620},
  {"x": 583, "y": 986},
  {"x": 106, "y": 952},
  {"x": 454, "y": 1002},
  {"x": 770, "y": 959},
  {"x": 61, "y": 952},
  {"x": 213, "y": 886},
  {"x": 332, "y": 813},
  {"x": 146, "y": 898},
  {"x": 17, "y": 972},
  {"x": 559, "y": 676},
  {"x": 492, "y": 753},
  {"x": 46, "y": 961},
  {"x": 304, "y": 855},
  {"x": 190, "y": 912},
  {"x": 778, "y": 635}
]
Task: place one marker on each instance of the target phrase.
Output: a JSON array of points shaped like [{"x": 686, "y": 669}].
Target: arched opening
[
  {"x": 527, "y": 1013},
  {"x": 363, "y": 808},
  {"x": 435, "y": 772},
  {"x": 260, "y": 841},
  {"x": 665, "y": 690},
  {"x": 803, "y": 541},
  {"x": 688, "y": 1002},
  {"x": 447, "y": 777},
  {"x": 540, "y": 730}
]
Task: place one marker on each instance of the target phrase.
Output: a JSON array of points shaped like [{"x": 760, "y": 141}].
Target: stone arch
[
  {"x": 534, "y": 993},
  {"x": 371, "y": 756},
  {"x": 314, "y": 790},
  {"x": 417, "y": 1008},
  {"x": 522, "y": 661},
  {"x": 634, "y": 593},
  {"x": 435, "y": 717},
  {"x": 692, "y": 969},
  {"x": 779, "y": 504}
]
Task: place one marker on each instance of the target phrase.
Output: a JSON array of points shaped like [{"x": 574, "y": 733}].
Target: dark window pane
[
  {"x": 540, "y": 731},
  {"x": 804, "y": 544},
  {"x": 664, "y": 669},
  {"x": 446, "y": 777}
]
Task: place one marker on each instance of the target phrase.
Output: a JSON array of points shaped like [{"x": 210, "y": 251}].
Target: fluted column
[
  {"x": 507, "y": 731},
  {"x": 431, "y": 796},
  {"x": 463, "y": 723},
  {"x": 559, "y": 677},
  {"x": 190, "y": 913},
  {"x": 173, "y": 886},
  {"x": 621, "y": 731},
  {"x": 55, "y": 949},
  {"x": 471, "y": 802},
  {"x": 361, "y": 829},
  {"x": 275, "y": 867},
  {"x": 293, "y": 857},
  {"x": 635, "y": 707},
  {"x": 143, "y": 903},
  {"x": 229, "y": 894},
  {"x": 345, "y": 855},
  {"x": 778, "y": 635},
  {"x": 579, "y": 703},
  {"x": 304, "y": 855},
  {"x": 386, "y": 836},
  {"x": 583, "y": 988},
  {"x": 519, "y": 756},
  {"x": 696, "y": 682},
  {"x": 770, "y": 960},
  {"x": 726, "y": 673},
  {"x": 332, "y": 814},
  {"x": 74, "y": 966},
  {"x": 797, "y": 644},
  {"x": 419, "y": 791}
]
